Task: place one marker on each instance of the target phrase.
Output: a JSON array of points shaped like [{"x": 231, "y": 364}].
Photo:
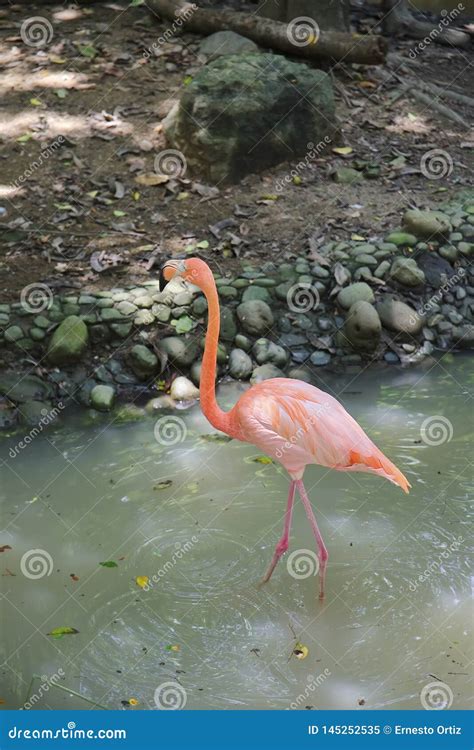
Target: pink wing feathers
[{"x": 298, "y": 424}]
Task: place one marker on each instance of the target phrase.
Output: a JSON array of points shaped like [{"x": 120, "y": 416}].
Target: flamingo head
[{"x": 193, "y": 270}]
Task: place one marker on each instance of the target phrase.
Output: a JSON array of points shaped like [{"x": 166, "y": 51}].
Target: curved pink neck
[{"x": 218, "y": 418}]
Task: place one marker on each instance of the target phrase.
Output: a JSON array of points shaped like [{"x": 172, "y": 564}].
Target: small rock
[
  {"x": 426, "y": 224},
  {"x": 68, "y": 342},
  {"x": 12, "y": 334},
  {"x": 255, "y": 316},
  {"x": 226, "y": 43},
  {"x": 363, "y": 327},
  {"x": 240, "y": 364},
  {"x": 391, "y": 358},
  {"x": 102, "y": 397},
  {"x": 355, "y": 293},
  {"x": 242, "y": 342},
  {"x": 256, "y": 292},
  {"x": 183, "y": 389},
  {"x": 398, "y": 316},
  {"x": 401, "y": 239},
  {"x": 35, "y": 413},
  {"x": 228, "y": 327},
  {"x": 265, "y": 351},
  {"x": 180, "y": 350},
  {"x": 299, "y": 373},
  {"x": 143, "y": 361},
  {"x": 320, "y": 358},
  {"x": 406, "y": 271}
]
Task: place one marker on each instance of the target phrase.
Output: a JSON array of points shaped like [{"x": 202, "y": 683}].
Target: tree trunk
[{"x": 332, "y": 45}]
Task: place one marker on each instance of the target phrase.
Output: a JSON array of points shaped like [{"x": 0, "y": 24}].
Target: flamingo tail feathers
[{"x": 380, "y": 464}]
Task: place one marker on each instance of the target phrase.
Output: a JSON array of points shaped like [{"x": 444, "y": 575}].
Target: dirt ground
[{"x": 81, "y": 121}]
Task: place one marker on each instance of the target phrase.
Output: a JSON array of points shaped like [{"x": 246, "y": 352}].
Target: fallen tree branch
[
  {"x": 398, "y": 19},
  {"x": 331, "y": 45}
]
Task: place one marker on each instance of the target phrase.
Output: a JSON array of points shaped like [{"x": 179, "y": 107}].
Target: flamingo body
[
  {"x": 297, "y": 424},
  {"x": 289, "y": 420}
]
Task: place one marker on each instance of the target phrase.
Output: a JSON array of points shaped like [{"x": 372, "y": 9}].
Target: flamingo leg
[
  {"x": 322, "y": 551},
  {"x": 282, "y": 545}
]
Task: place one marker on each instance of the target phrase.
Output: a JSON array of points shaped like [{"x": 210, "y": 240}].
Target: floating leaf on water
[
  {"x": 163, "y": 485},
  {"x": 109, "y": 564},
  {"x": 215, "y": 437},
  {"x": 300, "y": 651},
  {"x": 5, "y": 547},
  {"x": 262, "y": 460},
  {"x": 59, "y": 632},
  {"x": 357, "y": 238},
  {"x": 73, "y": 577},
  {"x": 173, "y": 647},
  {"x": 192, "y": 487},
  {"x": 133, "y": 701},
  {"x": 142, "y": 581}
]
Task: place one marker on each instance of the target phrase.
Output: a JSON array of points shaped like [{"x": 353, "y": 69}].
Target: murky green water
[{"x": 203, "y": 517}]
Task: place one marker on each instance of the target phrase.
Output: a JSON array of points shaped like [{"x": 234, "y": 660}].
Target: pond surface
[{"x": 200, "y": 518}]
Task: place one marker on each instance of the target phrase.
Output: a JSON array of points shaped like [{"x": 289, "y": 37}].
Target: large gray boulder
[
  {"x": 363, "y": 327},
  {"x": 69, "y": 341},
  {"x": 225, "y": 43},
  {"x": 245, "y": 113}
]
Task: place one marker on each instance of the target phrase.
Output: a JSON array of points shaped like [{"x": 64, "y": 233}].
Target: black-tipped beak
[{"x": 162, "y": 280}]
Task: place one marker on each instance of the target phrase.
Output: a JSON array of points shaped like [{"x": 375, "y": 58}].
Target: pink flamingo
[{"x": 289, "y": 420}]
